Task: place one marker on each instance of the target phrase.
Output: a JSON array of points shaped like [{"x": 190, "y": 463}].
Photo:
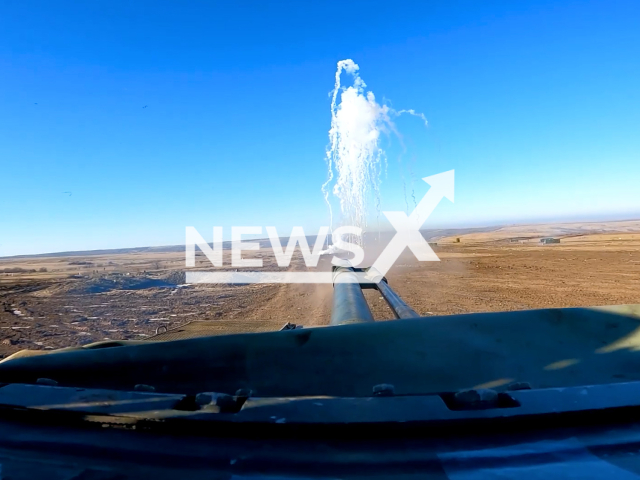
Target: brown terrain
[{"x": 60, "y": 301}]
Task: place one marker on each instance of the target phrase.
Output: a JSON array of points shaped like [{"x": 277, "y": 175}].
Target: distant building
[{"x": 546, "y": 241}]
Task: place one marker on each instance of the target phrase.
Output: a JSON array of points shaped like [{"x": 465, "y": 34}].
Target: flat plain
[{"x": 56, "y": 301}]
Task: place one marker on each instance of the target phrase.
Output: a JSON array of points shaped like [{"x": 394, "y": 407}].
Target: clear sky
[{"x": 534, "y": 104}]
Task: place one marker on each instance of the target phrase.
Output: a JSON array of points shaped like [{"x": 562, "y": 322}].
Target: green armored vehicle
[{"x": 463, "y": 396}]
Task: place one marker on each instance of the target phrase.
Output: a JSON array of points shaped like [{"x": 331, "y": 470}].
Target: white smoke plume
[{"x": 354, "y": 154}]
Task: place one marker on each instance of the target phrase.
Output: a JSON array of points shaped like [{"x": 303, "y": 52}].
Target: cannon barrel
[
  {"x": 349, "y": 304},
  {"x": 397, "y": 305}
]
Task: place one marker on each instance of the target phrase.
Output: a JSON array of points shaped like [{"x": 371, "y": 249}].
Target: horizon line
[{"x": 102, "y": 251}]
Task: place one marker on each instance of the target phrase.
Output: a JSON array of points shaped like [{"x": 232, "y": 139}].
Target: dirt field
[{"x": 53, "y": 302}]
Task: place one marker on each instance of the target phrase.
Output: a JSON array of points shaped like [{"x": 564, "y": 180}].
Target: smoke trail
[
  {"x": 413, "y": 181},
  {"x": 411, "y": 111},
  {"x": 354, "y": 155}
]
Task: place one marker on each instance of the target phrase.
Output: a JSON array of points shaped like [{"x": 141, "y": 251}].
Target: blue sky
[{"x": 534, "y": 104}]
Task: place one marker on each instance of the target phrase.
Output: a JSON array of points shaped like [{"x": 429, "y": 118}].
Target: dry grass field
[{"x": 59, "y": 301}]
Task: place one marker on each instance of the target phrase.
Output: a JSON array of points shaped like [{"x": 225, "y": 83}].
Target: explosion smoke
[{"x": 354, "y": 153}]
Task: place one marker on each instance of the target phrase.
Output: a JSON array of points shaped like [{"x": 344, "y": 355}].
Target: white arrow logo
[
  {"x": 407, "y": 235},
  {"x": 408, "y": 228}
]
